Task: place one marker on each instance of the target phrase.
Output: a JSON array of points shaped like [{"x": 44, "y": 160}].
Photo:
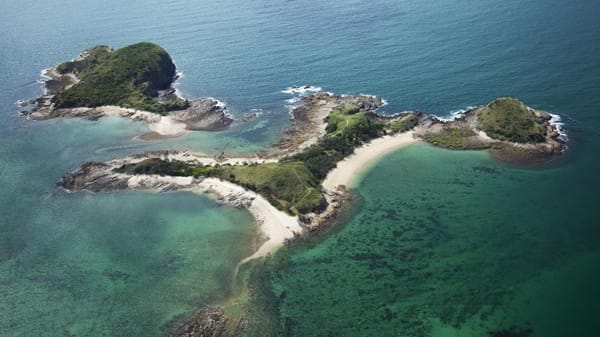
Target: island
[
  {"x": 510, "y": 130},
  {"x": 300, "y": 187},
  {"x": 295, "y": 190},
  {"x": 135, "y": 82}
]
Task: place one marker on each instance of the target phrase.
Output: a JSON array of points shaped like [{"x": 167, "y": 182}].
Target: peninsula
[
  {"x": 300, "y": 187},
  {"x": 133, "y": 82}
]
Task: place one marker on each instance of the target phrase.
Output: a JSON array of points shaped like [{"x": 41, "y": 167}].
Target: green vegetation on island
[
  {"x": 456, "y": 139},
  {"x": 292, "y": 184},
  {"x": 289, "y": 186},
  {"x": 129, "y": 77},
  {"x": 510, "y": 120},
  {"x": 403, "y": 124},
  {"x": 347, "y": 128},
  {"x": 504, "y": 121}
]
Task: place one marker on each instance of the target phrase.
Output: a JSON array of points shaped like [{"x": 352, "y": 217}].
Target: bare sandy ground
[
  {"x": 365, "y": 157},
  {"x": 161, "y": 126}
]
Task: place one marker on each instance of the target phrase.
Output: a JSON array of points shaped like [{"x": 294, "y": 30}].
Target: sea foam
[
  {"x": 455, "y": 114},
  {"x": 556, "y": 121},
  {"x": 177, "y": 83},
  {"x": 43, "y": 79},
  {"x": 223, "y": 106},
  {"x": 384, "y": 101},
  {"x": 301, "y": 89},
  {"x": 298, "y": 91}
]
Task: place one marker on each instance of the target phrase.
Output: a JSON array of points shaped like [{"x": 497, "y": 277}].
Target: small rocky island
[
  {"x": 510, "y": 130},
  {"x": 134, "y": 82}
]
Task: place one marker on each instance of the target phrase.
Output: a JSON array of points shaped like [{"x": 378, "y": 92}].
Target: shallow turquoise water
[
  {"x": 119, "y": 265},
  {"x": 122, "y": 264},
  {"x": 446, "y": 244},
  {"x": 522, "y": 241}
]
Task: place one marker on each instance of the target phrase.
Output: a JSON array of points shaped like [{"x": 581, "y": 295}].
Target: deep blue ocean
[{"x": 129, "y": 264}]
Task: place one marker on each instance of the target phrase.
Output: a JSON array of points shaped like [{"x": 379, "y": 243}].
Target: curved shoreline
[
  {"x": 168, "y": 171},
  {"x": 310, "y": 120},
  {"x": 275, "y": 225},
  {"x": 364, "y": 158}
]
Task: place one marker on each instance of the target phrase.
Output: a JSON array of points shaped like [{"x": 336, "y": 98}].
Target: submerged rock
[{"x": 209, "y": 322}]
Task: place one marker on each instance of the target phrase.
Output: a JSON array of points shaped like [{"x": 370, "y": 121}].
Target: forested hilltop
[{"x": 130, "y": 77}]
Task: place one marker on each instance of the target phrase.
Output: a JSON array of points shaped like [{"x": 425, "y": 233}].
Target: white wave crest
[
  {"x": 253, "y": 113},
  {"x": 44, "y": 75},
  {"x": 556, "y": 121},
  {"x": 176, "y": 83},
  {"x": 384, "y": 101},
  {"x": 220, "y": 104},
  {"x": 293, "y": 100},
  {"x": 223, "y": 106},
  {"x": 455, "y": 114},
  {"x": 43, "y": 79},
  {"x": 301, "y": 89},
  {"x": 298, "y": 91}
]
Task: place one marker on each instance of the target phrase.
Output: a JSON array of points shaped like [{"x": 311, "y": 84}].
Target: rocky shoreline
[
  {"x": 465, "y": 133},
  {"x": 200, "y": 115},
  {"x": 209, "y": 321},
  {"x": 308, "y": 118}
]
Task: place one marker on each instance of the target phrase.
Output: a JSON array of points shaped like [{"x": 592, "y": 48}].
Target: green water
[
  {"x": 437, "y": 248},
  {"x": 136, "y": 259},
  {"x": 107, "y": 264},
  {"x": 450, "y": 244}
]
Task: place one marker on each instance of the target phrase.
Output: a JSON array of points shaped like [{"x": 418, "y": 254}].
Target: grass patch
[
  {"x": 509, "y": 119},
  {"x": 455, "y": 138},
  {"x": 338, "y": 121},
  {"x": 293, "y": 184},
  {"x": 129, "y": 77},
  {"x": 403, "y": 124},
  {"x": 289, "y": 186},
  {"x": 166, "y": 168},
  {"x": 344, "y": 133}
]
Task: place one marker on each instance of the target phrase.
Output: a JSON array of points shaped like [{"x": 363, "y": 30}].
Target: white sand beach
[
  {"x": 365, "y": 157},
  {"x": 276, "y": 226}
]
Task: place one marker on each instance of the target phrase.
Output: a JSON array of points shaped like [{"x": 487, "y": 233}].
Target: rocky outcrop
[
  {"x": 467, "y": 132},
  {"x": 337, "y": 203},
  {"x": 308, "y": 120},
  {"x": 204, "y": 115},
  {"x": 209, "y": 322},
  {"x": 94, "y": 177}
]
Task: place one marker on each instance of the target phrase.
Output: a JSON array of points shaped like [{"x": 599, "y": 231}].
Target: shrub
[{"x": 129, "y": 77}]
